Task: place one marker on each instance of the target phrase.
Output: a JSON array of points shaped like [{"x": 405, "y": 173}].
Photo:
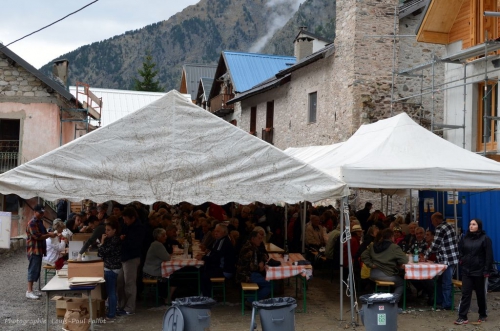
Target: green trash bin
[
  {"x": 379, "y": 311},
  {"x": 195, "y": 312}
]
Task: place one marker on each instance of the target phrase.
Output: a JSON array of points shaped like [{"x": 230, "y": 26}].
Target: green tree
[{"x": 148, "y": 73}]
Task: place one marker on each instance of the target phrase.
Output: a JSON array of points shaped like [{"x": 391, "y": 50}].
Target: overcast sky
[{"x": 101, "y": 20}]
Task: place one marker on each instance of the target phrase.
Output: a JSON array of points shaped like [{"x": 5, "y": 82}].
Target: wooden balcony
[
  {"x": 218, "y": 105},
  {"x": 268, "y": 135}
]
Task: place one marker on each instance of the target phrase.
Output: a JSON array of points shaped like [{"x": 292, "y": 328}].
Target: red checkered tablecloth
[
  {"x": 287, "y": 269},
  {"x": 168, "y": 267},
  {"x": 423, "y": 270}
]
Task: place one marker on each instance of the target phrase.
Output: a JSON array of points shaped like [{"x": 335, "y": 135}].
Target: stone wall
[
  {"x": 17, "y": 81},
  {"x": 354, "y": 85},
  {"x": 412, "y": 53},
  {"x": 291, "y": 109}
]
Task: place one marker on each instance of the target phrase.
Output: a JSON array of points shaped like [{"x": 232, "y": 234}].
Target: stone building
[
  {"x": 327, "y": 95},
  {"x": 37, "y": 115}
]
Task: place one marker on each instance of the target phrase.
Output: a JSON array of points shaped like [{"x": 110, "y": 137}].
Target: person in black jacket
[
  {"x": 220, "y": 259},
  {"x": 110, "y": 251},
  {"x": 132, "y": 240},
  {"x": 476, "y": 259}
]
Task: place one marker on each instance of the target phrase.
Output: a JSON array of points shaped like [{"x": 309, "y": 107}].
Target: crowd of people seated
[{"x": 135, "y": 239}]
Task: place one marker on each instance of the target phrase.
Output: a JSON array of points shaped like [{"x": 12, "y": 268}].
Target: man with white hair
[{"x": 220, "y": 259}]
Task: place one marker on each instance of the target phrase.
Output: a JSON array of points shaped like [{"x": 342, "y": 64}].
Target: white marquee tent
[
  {"x": 397, "y": 153},
  {"x": 172, "y": 151}
]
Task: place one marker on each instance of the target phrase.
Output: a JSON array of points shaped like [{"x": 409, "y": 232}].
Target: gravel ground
[{"x": 19, "y": 314}]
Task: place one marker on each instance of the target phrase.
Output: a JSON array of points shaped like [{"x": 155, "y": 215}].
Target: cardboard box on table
[
  {"x": 76, "y": 243},
  {"x": 88, "y": 269},
  {"x": 85, "y": 269}
]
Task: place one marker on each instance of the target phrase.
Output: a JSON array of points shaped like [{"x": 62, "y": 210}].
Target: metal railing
[
  {"x": 268, "y": 135},
  {"x": 9, "y": 154},
  {"x": 8, "y": 160}
]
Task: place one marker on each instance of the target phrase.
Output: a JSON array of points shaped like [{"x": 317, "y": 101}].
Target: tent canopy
[
  {"x": 170, "y": 150},
  {"x": 397, "y": 153}
]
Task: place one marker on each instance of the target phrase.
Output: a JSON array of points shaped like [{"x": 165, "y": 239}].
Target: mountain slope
[
  {"x": 317, "y": 15},
  {"x": 196, "y": 35}
]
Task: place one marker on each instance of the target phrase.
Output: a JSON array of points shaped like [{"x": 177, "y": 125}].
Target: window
[
  {"x": 270, "y": 115},
  {"x": 313, "y": 100},
  {"x": 9, "y": 144},
  {"x": 485, "y": 26},
  {"x": 253, "y": 120},
  {"x": 487, "y": 106}
]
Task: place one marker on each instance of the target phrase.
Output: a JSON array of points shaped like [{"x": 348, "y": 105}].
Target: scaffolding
[
  {"x": 479, "y": 53},
  {"x": 88, "y": 108}
]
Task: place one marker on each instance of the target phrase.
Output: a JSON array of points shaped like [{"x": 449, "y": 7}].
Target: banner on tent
[
  {"x": 452, "y": 197},
  {"x": 429, "y": 205}
]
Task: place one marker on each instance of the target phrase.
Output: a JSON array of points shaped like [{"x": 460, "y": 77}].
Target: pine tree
[{"x": 148, "y": 74}]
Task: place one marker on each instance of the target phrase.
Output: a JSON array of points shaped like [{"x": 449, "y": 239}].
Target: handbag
[{"x": 365, "y": 271}]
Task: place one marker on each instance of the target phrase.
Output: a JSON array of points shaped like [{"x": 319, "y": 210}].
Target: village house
[
  {"x": 204, "y": 87},
  {"x": 328, "y": 94},
  {"x": 471, "y": 69},
  {"x": 37, "y": 115},
  {"x": 237, "y": 72},
  {"x": 190, "y": 78}
]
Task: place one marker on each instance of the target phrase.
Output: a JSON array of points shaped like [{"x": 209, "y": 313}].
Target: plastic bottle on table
[{"x": 415, "y": 254}]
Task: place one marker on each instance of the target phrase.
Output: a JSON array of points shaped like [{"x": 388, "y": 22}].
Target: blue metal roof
[{"x": 250, "y": 69}]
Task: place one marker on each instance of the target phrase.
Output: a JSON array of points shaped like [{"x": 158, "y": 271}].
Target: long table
[
  {"x": 178, "y": 262},
  {"x": 58, "y": 285},
  {"x": 288, "y": 269},
  {"x": 422, "y": 271}
]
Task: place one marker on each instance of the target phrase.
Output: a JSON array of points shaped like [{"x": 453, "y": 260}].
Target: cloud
[
  {"x": 101, "y": 20},
  {"x": 282, "y": 11}
]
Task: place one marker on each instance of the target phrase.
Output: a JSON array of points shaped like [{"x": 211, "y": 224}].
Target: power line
[{"x": 59, "y": 20}]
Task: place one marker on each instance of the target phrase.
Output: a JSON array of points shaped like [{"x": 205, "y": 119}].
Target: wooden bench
[
  {"x": 382, "y": 283},
  {"x": 456, "y": 286},
  {"x": 150, "y": 284},
  {"x": 219, "y": 282},
  {"x": 49, "y": 269},
  {"x": 250, "y": 287}
]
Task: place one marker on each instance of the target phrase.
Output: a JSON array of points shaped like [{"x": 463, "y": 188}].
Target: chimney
[
  {"x": 60, "y": 71},
  {"x": 303, "y": 44}
]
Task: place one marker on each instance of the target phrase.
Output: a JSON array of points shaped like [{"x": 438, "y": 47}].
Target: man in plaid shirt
[
  {"x": 36, "y": 248},
  {"x": 446, "y": 248}
]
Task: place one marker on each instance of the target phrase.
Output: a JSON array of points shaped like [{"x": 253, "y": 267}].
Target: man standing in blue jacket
[{"x": 132, "y": 237}]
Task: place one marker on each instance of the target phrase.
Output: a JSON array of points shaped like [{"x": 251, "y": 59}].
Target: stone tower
[{"x": 363, "y": 70}]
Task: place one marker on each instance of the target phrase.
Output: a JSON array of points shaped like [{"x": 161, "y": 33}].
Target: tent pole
[
  {"x": 286, "y": 226},
  {"x": 387, "y": 205},
  {"x": 341, "y": 253},
  {"x": 304, "y": 229},
  {"x": 411, "y": 207},
  {"x": 456, "y": 220},
  {"x": 391, "y": 204},
  {"x": 381, "y": 201},
  {"x": 350, "y": 279}
]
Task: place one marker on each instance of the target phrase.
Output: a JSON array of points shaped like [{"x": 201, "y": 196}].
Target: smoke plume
[{"x": 281, "y": 11}]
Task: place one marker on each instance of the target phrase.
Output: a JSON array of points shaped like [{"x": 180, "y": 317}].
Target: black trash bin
[
  {"x": 379, "y": 312},
  {"x": 195, "y": 312},
  {"x": 276, "y": 314}
]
